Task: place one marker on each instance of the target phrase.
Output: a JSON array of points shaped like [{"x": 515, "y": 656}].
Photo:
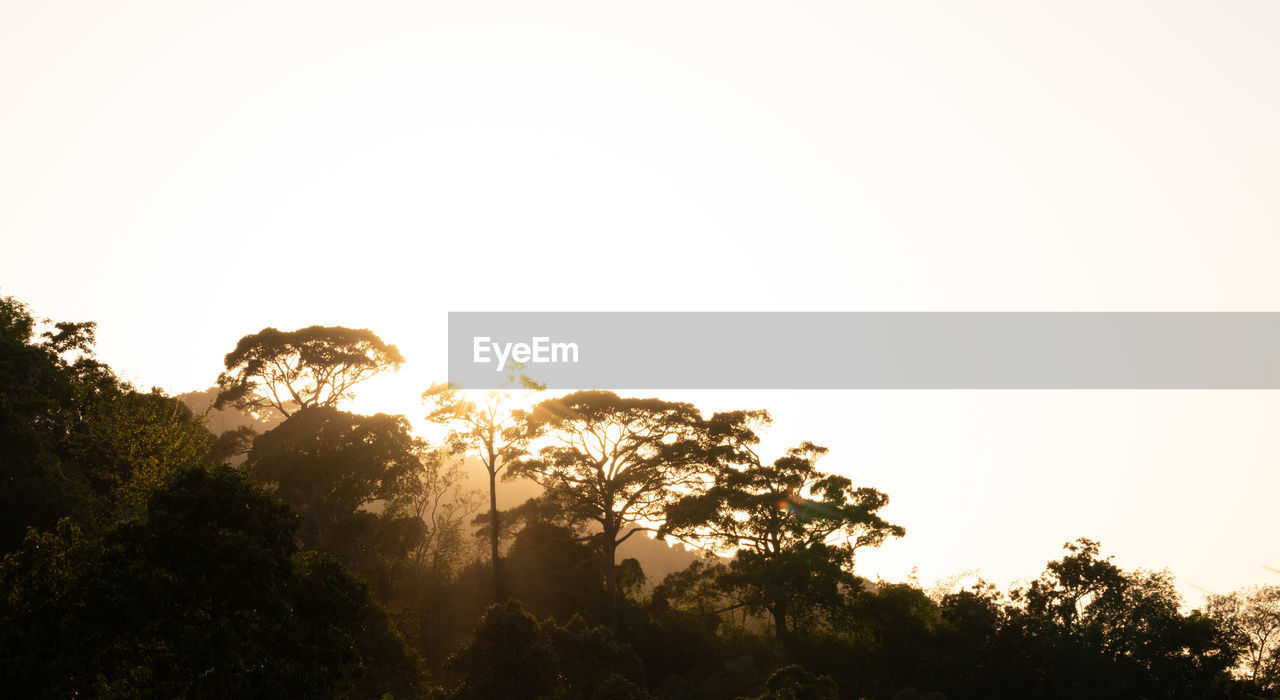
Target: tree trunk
[
  {"x": 779, "y": 611},
  {"x": 611, "y": 574},
  {"x": 498, "y": 583}
]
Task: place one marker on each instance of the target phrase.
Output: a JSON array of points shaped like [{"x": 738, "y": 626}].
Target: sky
[{"x": 188, "y": 173}]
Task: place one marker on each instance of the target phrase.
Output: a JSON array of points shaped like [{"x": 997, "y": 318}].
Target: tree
[
  {"x": 437, "y": 497},
  {"x": 513, "y": 655},
  {"x": 619, "y": 462},
  {"x": 41, "y": 396},
  {"x": 352, "y": 478},
  {"x": 1252, "y": 617},
  {"x": 75, "y": 440},
  {"x": 206, "y": 597},
  {"x": 1086, "y": 624},
  {"x": 795, "y": 683},
  {"x": 507, "y": 657},
  {"x": 493, "y": 431},
  {"x": 795, "y": 529},
  {"x": 129, "y": 444},
  {"x": 317, "y": 366}
]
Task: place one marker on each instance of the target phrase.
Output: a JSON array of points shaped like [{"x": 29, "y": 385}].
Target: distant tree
[
  {"x": 1252, "y": 617},
  {"x": 795, "y": 529},
  {"x": 619, "y": 462},
  {"x": 234, "y": 430},
  {"x": 232, "y": 443},
  {"x": 696, "y": 588},
  {"x": 437, "y": 496},
  {"x": 490, "y": 429},
  {"x": 317, "y": 366}
]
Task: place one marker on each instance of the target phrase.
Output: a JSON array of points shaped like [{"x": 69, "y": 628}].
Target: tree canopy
[
  {"x": 338, "y": 561},
  {"x": 619, "y": 462},
  {"x": 795, "y": 529},
  {"x": 208, "y": 596},
  {"x": 316, "y": 366}
]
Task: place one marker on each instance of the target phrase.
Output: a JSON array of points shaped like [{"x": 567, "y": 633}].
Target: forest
[{"x": 258, "y": 540}]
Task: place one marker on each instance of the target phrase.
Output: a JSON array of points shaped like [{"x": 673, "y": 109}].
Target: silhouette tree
[
  {"x": 42, "y": 393},
  {"x": 309, "y": 367},
  {"x": 795, "y": 529},
  {"x": 334, "y": 467},
  {"x": 619, "y": 462},
  {"x": 506, "y": 657},
  {"x": 1252, "y": 617},
  {"x": 513, "y": 655},
  {"x": 1086, "y": 626},
  {"x": 491, "y": 430},
  {"x": 140, "y": 575},
  {"x": 75, "y": 440},
  {"x": 208, "y": 596},
  {"x": 592, "y": 662}
]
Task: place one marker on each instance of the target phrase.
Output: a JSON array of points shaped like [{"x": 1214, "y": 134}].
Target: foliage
[
  {"x": 795, "y": 530},
  {"x": 75, "y": 440},
  {"x": 795, "y": 683},
  {"x": 489, "y": 428},
  {"x": 506, "y": 657},
  {"x": 437, "y": 496},
  {"x": 316, "y": 366},
  {"x": 513, "y": 655},
  {"x": 1252, "y": 618},
  {"x": 207, "y": 596},
  {"x": 619, "y": 462},
  {"x": 135, "y": 570},
  {"x": 333, "y": 467}
]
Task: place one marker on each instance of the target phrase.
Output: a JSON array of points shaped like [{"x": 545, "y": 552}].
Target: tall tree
[
  {"x": 619, "y": 462},
  {"x": 794, "y": 527},
  {"x": 489, "y": 428},
  {"x": 291, "y": 370}
]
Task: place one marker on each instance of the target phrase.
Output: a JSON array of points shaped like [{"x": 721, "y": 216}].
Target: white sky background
[{"x": 185, "y": 174}]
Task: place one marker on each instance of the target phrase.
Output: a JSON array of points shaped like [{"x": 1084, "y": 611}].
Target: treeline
[{"x": 344, "y": 556}]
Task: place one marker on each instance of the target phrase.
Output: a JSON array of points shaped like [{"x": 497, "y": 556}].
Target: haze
[{"x": 186, "y": 174}]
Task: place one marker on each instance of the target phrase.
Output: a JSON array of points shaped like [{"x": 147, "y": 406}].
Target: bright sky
[{"x": 187, "y": 173}]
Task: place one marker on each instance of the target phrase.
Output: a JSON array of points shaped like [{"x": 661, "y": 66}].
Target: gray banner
[{"x": 675, "y": 350}]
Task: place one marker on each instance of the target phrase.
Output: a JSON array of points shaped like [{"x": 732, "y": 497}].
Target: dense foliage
[{"x": 339, "y": 558}]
